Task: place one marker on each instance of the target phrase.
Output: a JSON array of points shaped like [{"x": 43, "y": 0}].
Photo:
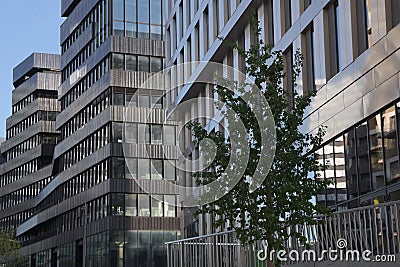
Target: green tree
[
  {"x": 284, "y": 199},
  {"x": 9, "y": 248}
]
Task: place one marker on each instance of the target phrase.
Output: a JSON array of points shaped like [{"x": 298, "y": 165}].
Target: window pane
[
  {"x": 118, "y": 61},
  {"x": 156, "y": 64},
  {"x": 156, "y": 206},
  {"x": 117, "y": 204},
  {"x": 144, "y": 101},
  {"x": 131, "y": 10},
  {"x": 391, "y": 153},
  {"x": 351, "y": 164},
  {"x": 118, "y": 9},
  {"x": 156, "y": 169},
  {"x": 376, "y": 151},
  {"x": 119, "y": 99},
  {"x": 117, "y": 132},
  {"x": 144, "y": 63},
  {"x": 143, "y": 31},
  {"x": 118, "y": 168},
  {"x": 144, "y": 205},
  {"x": 131, "y": 100},
  {"x": 156, "y": 32},
  {"x": 169, "y": 135},
  {"x": 169, "y": 170},
  {"x": 156, "y": 12},
  {"x": 169, "y": 206},
  {"x": 131, "y": 205},
  {"x": 131, "y": 168},
  {"x": 131, "y": 133},
  {"x": 143, "y": 11},
  {"x": 144, "y": 134},
  {"x": 143, "y": 169},
  {"x": 362, "y": 159},
  {"x": 156, "y": 134},
  {"x": 131, "y": 62},
  {"x": 119, "y": 28},
  {"x": 131, "y": 29},
  {"x": 157, "y": 102}
]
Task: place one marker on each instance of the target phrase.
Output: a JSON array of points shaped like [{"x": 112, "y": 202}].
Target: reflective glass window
[
  {"x": 157, "y": 169},
  {"x": 169, "y": 206},
  {"x": 131, "y": 205},
  {"x": 390, "y": 145},
  {"x": 131, "y": 168},
  {"x": 376, "y": 151},
  {"x": 144, "y": 205},
  {"x": 143, "y": 168},
  {"x": 156, "y": 206}
]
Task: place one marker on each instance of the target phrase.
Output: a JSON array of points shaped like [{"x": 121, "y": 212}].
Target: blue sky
[{"x": 26, "y": 26}]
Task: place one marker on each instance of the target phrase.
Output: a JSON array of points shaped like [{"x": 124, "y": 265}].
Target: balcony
[{"x": 373, "y": 228}]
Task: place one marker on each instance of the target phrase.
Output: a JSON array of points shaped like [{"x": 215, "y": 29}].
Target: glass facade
[
  {"x": 138, "y": 18},
  {"x": 363, "y": 163}
]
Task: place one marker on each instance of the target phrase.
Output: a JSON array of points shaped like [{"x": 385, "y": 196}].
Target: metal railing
[{"x": 375, "y": 228}]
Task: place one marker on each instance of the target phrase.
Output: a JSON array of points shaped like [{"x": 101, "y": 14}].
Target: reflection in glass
[
  {"x": 131, "y": 132},
  {"x": 118, "y": 168},
  {"x": 156, "y": 169},
  {"x": 117, "y": 248},
  {"x": 169, "y": 135},
  {"x": 169, "y": 206},
  {"x": 340, "y": 173},
  {"x": 131, "y": 168},
  {"x": 376, "y": 152},
  {"x": 363, "y": 159},
  {"x": 320, "y": 175},
  {"x": 156, "y": 134},
  {"x": 156, "y": 206},
  {"x": 351, "y": 164},
  {"x": 117, "y": 204},
  {"x": 118, "y": 9},
  {"x": 131, "y": 205},
  {"x": 169, "y": 170},
  {"x": 390, "y": 145},
  {"x": 329, "y": 160},
  {"x": 130, "y": 10},
  {"x": 144, "y": 205},
  {"x": 144, "y": 169}
]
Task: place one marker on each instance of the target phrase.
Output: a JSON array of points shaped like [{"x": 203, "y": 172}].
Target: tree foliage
[
  {"x": 284, "y": 199},
  {"x": 9, "y": 248}
]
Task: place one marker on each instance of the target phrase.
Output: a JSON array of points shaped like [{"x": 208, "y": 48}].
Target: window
[
  {"x": 118, "y": 61},
  {"x": 169, "y": 170},
  {"x": 156, "y": 134},
  {"x": 144, "y": 205},
  {"x": 131, "y": 131},
  {"x": 144, "y": 100},
  {"x": 309, "y": 59},
  {"x": 131, "y": 168},
  {"x": 362, "y": 31},
  {"x": 117, "y": 132},
  {"x": 169, "y": 206},
  {"x": 131, "y": 204},
  {"x": 389, "y": 126},
  {"x": 287, "y": 16},
  {"x": 156, "y": 64},
  {"x": 332, "y": 40},
  {"x": 117, "y": 204},
  {"x": 376, "y": 152},
  {"x": 131, "y": 62},
  {"x": 156, "y": 206},
  {"x": 130, "y": 10},
  {"x": 118, "y": 9},
  {"x": 143, "y": 168},
  {"x": 118, "y": 168},
  {"x": 156, "y": 169},
  {"x": 392, "y": 13},
  {"x": 143, "y": 134},
  {"x": 119, "y": 99},
  {"x": 169, "y": 135},
  {"x": 144, "y": 63}
]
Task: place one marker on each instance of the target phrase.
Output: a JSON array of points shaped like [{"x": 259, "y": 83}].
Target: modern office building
[
  {"x": 351, "y": 56},
  {"x": 27, "y": 152},
  {"x": 105, "y": 196}
]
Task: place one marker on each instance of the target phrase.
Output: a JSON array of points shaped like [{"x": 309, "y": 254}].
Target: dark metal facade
[{"x": 94, "y": 210}]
